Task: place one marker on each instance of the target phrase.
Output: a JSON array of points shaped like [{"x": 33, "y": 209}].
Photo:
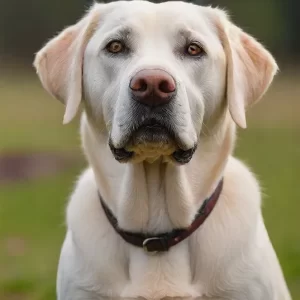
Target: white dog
[{"x": 163, "y": 86}]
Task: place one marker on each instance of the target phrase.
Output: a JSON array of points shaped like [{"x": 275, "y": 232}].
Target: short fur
[{"x": 230, "y": 256}]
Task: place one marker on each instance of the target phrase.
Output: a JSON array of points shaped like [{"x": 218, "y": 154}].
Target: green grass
[{"x": 32, "y": 212}]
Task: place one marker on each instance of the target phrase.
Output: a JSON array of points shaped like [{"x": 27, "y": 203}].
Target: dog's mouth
[
  {"x": 150, "y": 141},
  {"x": 150, "y": 133}
]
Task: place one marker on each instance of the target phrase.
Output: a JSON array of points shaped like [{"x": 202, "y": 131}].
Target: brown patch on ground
[
  {"x": 28, "y": 166},
  {"x": 15, "y": 246},
  {"x": 14, "y": 296}
]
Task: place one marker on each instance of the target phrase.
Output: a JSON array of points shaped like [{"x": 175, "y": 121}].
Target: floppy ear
[
  {"x": 250, "y": 68},
  {"x": 59, "y": 63}
]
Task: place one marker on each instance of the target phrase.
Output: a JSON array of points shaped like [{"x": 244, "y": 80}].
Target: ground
[{"x": 32, "y": 211}]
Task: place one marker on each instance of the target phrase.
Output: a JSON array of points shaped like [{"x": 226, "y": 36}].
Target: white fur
[{"x": 230, "y": 256}]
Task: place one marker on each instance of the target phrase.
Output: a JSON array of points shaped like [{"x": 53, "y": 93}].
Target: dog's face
[
  {"x": 152, "y": 76},
  {"x": 151, "y": 73}
]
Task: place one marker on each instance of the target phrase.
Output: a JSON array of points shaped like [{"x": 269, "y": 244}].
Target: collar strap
[{"x": 152, "y": 243}]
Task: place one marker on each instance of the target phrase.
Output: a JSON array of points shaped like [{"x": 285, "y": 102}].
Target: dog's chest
[
  {"x": 144, "y": 275},
  {"x": 159, "y": 276}
]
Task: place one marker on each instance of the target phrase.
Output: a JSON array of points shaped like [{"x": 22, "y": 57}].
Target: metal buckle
[{"x": 146, "y": 241}]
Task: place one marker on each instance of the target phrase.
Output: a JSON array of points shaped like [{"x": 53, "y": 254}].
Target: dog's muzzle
[{"x": 151, "y": 134}]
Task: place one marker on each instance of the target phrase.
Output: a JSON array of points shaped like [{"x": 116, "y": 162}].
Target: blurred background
[{"x": 40, "y": 158}]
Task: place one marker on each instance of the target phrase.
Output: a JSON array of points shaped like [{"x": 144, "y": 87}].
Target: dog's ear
[
  {"x": 59, "y": 63},
  {"x": 250, "y": 67}
]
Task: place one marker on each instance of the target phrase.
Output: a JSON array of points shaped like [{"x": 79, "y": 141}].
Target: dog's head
[{"x": 152, "y": 76}]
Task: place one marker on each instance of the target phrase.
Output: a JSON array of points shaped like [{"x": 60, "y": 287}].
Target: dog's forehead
[{"x": 163, "y": 17}]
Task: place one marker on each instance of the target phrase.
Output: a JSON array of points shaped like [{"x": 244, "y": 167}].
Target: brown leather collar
[{"x": 152, "y": 243}]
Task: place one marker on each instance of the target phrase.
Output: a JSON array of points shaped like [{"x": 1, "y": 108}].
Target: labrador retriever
[{"x": 164, "y": 209}]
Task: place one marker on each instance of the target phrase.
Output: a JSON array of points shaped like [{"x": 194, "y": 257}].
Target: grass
[{"x": 32, "y": 212}]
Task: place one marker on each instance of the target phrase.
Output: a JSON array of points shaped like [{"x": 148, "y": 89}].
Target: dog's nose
[{"x": 153, "y": 87}]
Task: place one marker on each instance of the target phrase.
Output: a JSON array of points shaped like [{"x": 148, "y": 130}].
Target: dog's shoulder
[
  {"x": 241, "y": 182},
  {"x": 240, "y": 203}
]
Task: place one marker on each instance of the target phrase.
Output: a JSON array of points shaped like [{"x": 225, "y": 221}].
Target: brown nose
[{"x": 153, "y": 87}]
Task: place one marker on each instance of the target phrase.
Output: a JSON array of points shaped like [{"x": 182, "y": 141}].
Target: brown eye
[
  {"x": 195, "y": 50},
  {"x": 115, "y": 47}
]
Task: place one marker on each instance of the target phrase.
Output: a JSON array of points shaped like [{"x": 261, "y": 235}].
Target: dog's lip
[
  {"x": 120, "y": 154},
  {"x": 179, "y": 156},
  {"x": 151, "y": 125}
]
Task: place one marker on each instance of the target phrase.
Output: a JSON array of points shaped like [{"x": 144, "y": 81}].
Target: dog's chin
[{"x": 152, "y": 143}]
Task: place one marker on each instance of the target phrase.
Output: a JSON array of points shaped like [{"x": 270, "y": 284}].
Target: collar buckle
[{"x": 153, "y": 245}]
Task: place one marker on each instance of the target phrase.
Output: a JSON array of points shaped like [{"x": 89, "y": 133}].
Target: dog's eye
[
  {"x": 194, "y": 49},
  {"x": 115, "y": 47}
]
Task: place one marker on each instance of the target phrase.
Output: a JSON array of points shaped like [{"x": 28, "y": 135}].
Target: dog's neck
[{"x": 157, "y": 197}]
